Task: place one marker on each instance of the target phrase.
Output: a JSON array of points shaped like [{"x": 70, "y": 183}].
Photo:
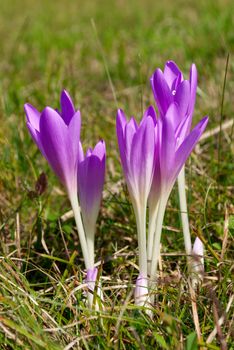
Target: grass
[{"x": 103, "y": 53}]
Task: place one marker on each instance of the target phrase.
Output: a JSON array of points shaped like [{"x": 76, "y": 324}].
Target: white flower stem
[
  {"x": 184, "y": 212},
  {"x": 80, "y": 228},
  {"x": 90, "y": 243},
  {"x": 151, "y": 230},
  {"x": 140, "y": 213},
  {"x": 157, "y": 238}
]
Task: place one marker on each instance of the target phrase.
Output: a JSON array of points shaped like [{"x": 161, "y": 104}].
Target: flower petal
[
  {"x": 100, "y": 150},
  {"x": 182, "y": 130},
  {"x": 90, "y": 185},
  {"x": 32, "y": 115},
  {"x": 193, "y": 87},
  {"x": 168, "y": 144},
  {"x": 36, "y": 137},
  {"x": 74, "y": 136},
  {"x": 81, "y": 152},
  {"x": 120, "y": 131},
  {"x": 162, "y": 92},
  {"x": 171, "y": 73},
  {"x": 67, "y": 107},
  {"x": 130, "y": 131},
  {"x": 173, "y": 115},
  {"x": 56, "y": 145},
  {"x": 182, "y": 98},
  {"x": 142, "y": 158},
  {"x": 150, "y": 112},
  {"x": 187, "y": 146}
]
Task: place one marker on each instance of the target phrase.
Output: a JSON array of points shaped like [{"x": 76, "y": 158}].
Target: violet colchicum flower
[
  {"x": 136, "y": 146},
  {"x": 173, "y": 150},
  {"x": 57, "y": 135},
  {"x": 91, "y": 177},
  {"x": 169, "y": 87}
]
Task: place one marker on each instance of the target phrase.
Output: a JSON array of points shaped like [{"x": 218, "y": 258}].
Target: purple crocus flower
[
  {"x": 90, "y": 183},
  {"x": 169, "y": 86},
  {"x": 136, "y": 146},
  {"x": 57, "y": 135}
]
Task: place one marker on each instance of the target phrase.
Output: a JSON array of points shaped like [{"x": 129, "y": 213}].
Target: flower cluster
[
  {"x": 152, "y": 156},
  {"x": 153, "y": 153},
  {"x": 57, "y": 135}
]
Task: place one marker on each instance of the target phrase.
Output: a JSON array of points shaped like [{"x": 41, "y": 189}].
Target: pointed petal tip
[
  {"x": 203, "y": 123},
  {"x": 158, "y": 72},
  {"x": 27, "y": 108},
  {"x": 48, "y": 109},
  {"x": 32, "y": 115},
  {"x": 193, "y": 67},
  {"x": 64, "y": 93},
  {"x": 170, "y": 62},
  {"x": 100, "y": 150},
  {"x": 120, "y": 116}
]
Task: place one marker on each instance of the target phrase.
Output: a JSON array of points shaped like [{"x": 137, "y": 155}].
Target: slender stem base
[
  {"x": 140, "y": 213},
  {"x": 157, "y": 238},
  {"x": 141, "y": 291},
  {"x": 151, "y": 230},
  {"x": 80, "y": 228},
  {"x": 87, "y": 247},
  {"x": 184, "y": 212}
]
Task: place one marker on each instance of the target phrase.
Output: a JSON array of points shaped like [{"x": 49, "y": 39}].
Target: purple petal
[
  {"x": 156, "y": 182},
  {"x": 182, "y": 98},
  {"x": 36, "y": 137},
  {"x": 176, "y": 83},
  {"x": 187, "y": 146},
  {"x": 67, "y": 107},
  {"x": 74, "y": 135},
  {"x": 59, "y": 147},
  {"x": 168, "y": 145},
  {"x": 162, "y": 92},
  {"x": 142, "y": 158},
  {"x": 100, "y": 150},
  {"x": 130, "y": 130},
  {"x": 171, "y": 73},
  {"x": 182, "y": 130},
  {"x": 150, "y": 112},
  {"x": 120, "y": 131},
  {"x": 32, "y": 115},
  {"x": 173, "y": 115},
  {"x": 90, "y": 184},
  {"x": 193, "y": 87},
  {"x": 81, "y": 153}
]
